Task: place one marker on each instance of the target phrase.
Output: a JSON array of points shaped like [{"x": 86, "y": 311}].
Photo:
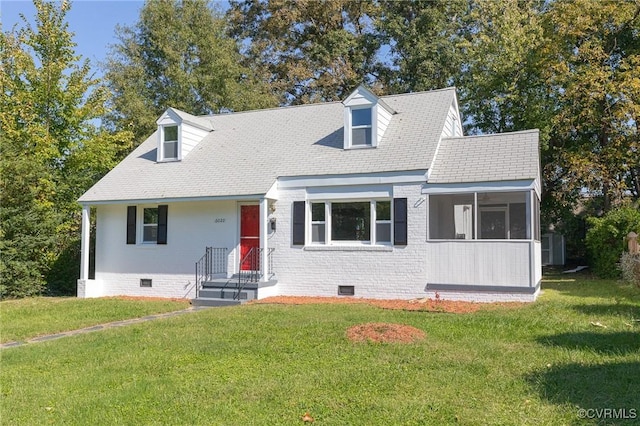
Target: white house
[{"x": 375, "y": 197}]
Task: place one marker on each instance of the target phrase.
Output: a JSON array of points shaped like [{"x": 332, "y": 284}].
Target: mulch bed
[
  {"x": 381, "y": 332},
  {"x": 425, "y": 305}
]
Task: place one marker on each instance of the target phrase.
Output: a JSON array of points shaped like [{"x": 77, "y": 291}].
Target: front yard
[{"x": 572, "y": 353}]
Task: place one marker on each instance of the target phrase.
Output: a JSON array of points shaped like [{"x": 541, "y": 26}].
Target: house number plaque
[{"x": 220, "y": 220}]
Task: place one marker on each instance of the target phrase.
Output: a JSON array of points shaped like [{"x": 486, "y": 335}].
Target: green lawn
[
  {"x": 269, "y": 364},
  {"x": 23, "y": 319}
]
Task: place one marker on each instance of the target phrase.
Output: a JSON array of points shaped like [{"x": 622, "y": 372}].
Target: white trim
[
  {"x": 262, "y": 231},
  {"x": 409, "y": 176},
  {"x": 498, "y": 186},
  {"x": 161, "y": 157},
  {"x": 328, "y": 242},
  {"x": 349, "y": 193},
  {"x": 141, "y": 225},
  {"x": 175, "y": 200},
  {"x": 85, "y": 242}
]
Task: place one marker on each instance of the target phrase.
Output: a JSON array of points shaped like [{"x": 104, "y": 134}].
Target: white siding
[
  {"x": 383, "y": 119},
  {"x": 487, "y": 263},
  {"x": 191, "y": 227},
  {"x": 452, "y": 125},
  {"x": 191, "y": 136}
]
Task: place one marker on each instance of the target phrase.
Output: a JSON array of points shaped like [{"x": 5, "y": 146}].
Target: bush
[
  {"x": 630, "y": 267},
  {"x": 605, "y": 239}
]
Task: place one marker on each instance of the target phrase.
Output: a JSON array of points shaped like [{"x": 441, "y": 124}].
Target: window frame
[
  {"x": 144, "y": 225},
  {"x": 328, "y": 223},
  {"x": 178, "y": 142},
  {"x": 368, "y": 143}
]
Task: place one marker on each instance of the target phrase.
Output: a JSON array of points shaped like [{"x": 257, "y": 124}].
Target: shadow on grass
[
  {"x": 613, "y": 343},
  {"x": 607, "y": 386},
  {"x": 626, "y": 310}
]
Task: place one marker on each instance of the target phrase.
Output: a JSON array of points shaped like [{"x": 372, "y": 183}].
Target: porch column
[
  {"x": 84, "y": 242},
  {"x": 264, "y": 257}
]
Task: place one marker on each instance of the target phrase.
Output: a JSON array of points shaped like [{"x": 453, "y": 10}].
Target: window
[
  {"x": 150, "y": 225},
  {"x": 318, "y": 223},
  {"x": 383, "y": 221},
  {"x": 154, "y": 224},
  {"x": 501, "y": 216},
  {"x": 145, "y": 282},
  {"x": 350, "y": 221},
  {"x": 170, "y": 142},
  {"x": 361, "y": 129},
  {"x": 356, "y": 222}
]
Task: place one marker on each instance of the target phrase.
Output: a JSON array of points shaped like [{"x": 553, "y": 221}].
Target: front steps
[{"x": 224, "y": 292}]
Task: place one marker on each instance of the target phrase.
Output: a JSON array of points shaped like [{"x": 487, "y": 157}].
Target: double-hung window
[
  {"x": 383, "y": 221},
  {"x": 361, "y": 128},
  {"x": 147, "y": 225},
  {"x": 170, "y": 142},
  {"x": 150, "y": 225},
  {"x": 318, "y": 223}
]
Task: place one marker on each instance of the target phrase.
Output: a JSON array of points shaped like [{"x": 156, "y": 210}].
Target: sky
[{"x": 93, "y": 22}]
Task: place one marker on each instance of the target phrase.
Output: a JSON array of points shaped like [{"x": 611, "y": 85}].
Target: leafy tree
[
  {"x": 177, "y": 55},
  {"x": 593, "y": 57},
  {"x": 423, "y": 41},
  {"x": 308, "y": 50},
  {"x": 52, "y": 148}
]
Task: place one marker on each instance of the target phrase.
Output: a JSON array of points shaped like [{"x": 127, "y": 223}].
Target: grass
[
  {"x": 23, "y": 319},
  {"x": 269, "y": 364}
]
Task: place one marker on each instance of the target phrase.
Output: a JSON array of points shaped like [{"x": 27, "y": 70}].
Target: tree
[
  {"x": 309, "y": 50},
  {"x": 52, "y": 148},
  {"x": 422, "y": 38},
  {"x": 177, "y": 55},
  {"x": 593, "y": 61}
]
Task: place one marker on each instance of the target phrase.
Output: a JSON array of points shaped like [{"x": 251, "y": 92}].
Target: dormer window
[
  {"x": 366, "y": 118},
  {"x": 170, "y": 142},
  {"x": 361, "y": 134},
  {"x": 178, "y": 133}
]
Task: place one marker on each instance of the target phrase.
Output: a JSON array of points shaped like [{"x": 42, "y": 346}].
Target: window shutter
[
  {"x": 131, "y": 224},
  {"x": 162, "y": 224},
  {"x": 400, "y": 221},
  {"x": 298, "y": 223}
]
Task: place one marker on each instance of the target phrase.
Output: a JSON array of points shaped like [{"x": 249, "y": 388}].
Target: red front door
[{"x": 249, "y": 237}]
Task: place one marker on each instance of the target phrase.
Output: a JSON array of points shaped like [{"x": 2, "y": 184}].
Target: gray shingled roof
[
  {"x": 248, "y": 151},
  {"x": 490, "y": 158}
]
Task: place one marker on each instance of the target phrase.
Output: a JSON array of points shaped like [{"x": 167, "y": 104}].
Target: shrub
[
  {"x": 605, "y": 239},
  {"x": 630, "y": 267}
]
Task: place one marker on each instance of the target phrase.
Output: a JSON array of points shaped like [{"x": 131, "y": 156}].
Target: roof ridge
[
  {"x": 421, "y": 92},
  {"x": 491, "y": 135}
]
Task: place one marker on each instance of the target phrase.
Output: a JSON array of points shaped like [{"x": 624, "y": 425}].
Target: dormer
[
  {"x": 366, "y": 118},
  {"x": 178, "y": 133}
]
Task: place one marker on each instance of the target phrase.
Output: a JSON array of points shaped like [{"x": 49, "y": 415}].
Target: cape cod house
[{"x": 376, "y": 197}]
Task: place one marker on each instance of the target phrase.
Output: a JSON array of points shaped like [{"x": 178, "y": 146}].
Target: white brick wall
[{"x": 398, "y": 273}]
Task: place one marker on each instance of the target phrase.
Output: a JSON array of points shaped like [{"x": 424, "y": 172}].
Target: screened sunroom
[{"x": 484, "y": 238}]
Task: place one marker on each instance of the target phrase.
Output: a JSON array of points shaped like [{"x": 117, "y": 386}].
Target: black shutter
[
  {"x": 400, "y": 221},
  {"x": 131, "y": 224},
  {"x": 162, "y": 224},
  {"x": 298, "y": 223}
]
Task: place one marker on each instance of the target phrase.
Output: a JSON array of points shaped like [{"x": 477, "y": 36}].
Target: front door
[{"x": 249, "y": 237}]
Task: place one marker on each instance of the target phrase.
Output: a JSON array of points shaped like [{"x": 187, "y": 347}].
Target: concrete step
[
  {"x": 227, "y": 293},
  {"x": 210, "y": 301}
]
